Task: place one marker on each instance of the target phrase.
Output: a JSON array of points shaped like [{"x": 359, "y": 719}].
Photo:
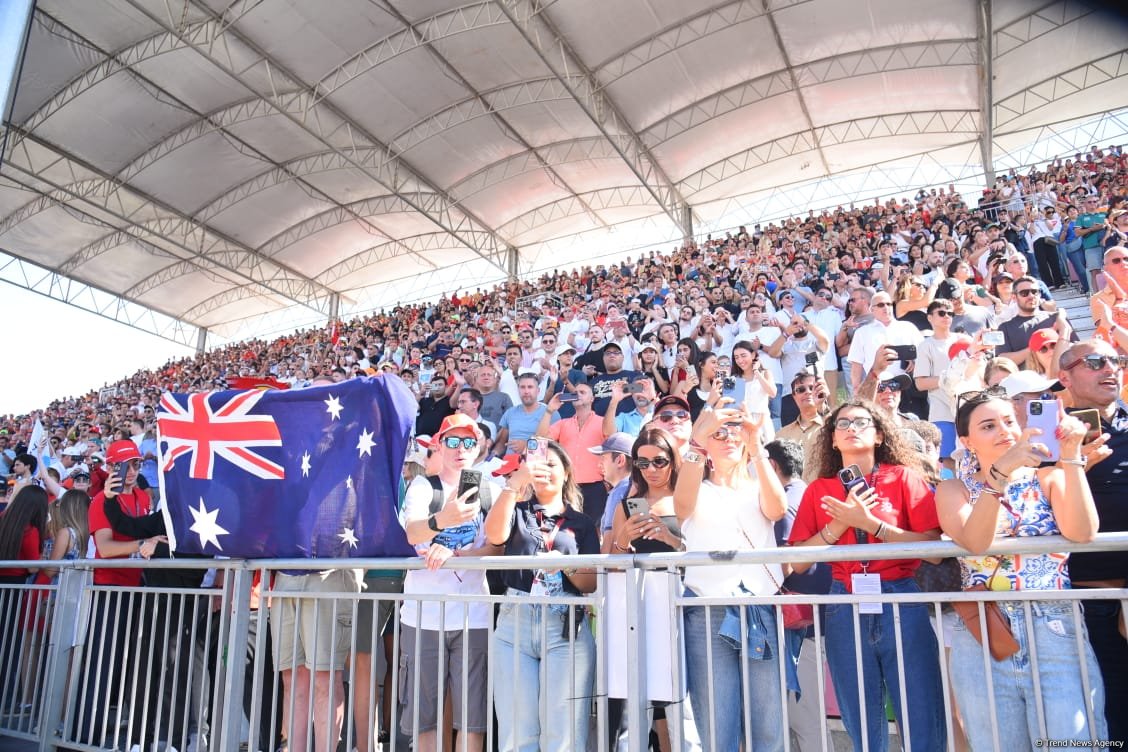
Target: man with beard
[
  {"x": 1092, "y": 373},
  {"x": 1017, "y": 331}
]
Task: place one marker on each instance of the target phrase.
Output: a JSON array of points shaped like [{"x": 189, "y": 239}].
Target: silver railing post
[
  {"x": 234, "y": 644},
  {"x": 68, "y": 630},
  {"x": 638, "y": 729}
]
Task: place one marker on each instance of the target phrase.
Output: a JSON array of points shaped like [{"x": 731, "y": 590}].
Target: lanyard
[
  {"x": 550, "y": 538},
  {"x": 860, "y": 535}
]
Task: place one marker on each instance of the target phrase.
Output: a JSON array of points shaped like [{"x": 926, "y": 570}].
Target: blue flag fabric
[{"x": 300, "y": 473}]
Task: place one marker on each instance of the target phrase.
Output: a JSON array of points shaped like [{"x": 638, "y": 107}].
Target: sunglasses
[
  {"x": 727, "y": 431},
  {"x": 943, "y": 313},
  {"x": 453, "y": 442},
  {"x": 860, "y": 423},
  {"x": 1047, "y": 348},
  {"x": 1097, "y": 362},
  {"x": 667, "y": 416},
  {"x": 659, "y": 463},
  {"x": 802, "y": 389},
  {"x": 881, "y": 305},
  {"x": 889, "y": 386},
  {"x": 980, "y": 395},
  {"x": 1026, "y": 293},
  {"x": 1118, "y": 259}
]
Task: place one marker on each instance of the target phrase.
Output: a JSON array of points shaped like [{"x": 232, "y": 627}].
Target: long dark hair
[
  {"x": 570, "y": 491},
  {"x": 736, "y": 370},
  {"x": 28, "y": 508},
  {"x": 892, "y": 450},
  {"x": 662, "y": 439}
]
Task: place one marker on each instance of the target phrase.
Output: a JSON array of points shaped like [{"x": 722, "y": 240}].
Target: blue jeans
[
  {"x": 878, "y": 646},
  {"x": 774, "y": 406},
  {"x": 1057, "y": 675},
  {"x": 724, "y": 705},
  {"x": 528, "y": 638},
  {"x": 1076, "y": 256}
]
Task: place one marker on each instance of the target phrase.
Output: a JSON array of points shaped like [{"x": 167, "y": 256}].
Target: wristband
[
  {"x": 1084, "y": 461},
  {"x": 433, "y": 523}
]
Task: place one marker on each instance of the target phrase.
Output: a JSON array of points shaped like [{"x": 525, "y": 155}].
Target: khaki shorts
[
  {"x": 450, "y": 646},
  {"x": 313, "y": 632}
]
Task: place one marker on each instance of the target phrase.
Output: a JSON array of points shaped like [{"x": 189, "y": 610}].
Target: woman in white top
[{"x": 732, "y": 656}]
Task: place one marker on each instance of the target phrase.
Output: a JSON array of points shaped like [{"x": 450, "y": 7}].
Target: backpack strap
[{"x": 485, "y": 495}]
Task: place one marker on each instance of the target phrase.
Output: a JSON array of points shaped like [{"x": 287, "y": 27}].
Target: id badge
[
  {"x": 866, "y": 584},
  {"x": 539, "y": 588}
]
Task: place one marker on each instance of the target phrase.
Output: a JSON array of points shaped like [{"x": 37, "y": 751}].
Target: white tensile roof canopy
[{"x": 211, "y": 161}]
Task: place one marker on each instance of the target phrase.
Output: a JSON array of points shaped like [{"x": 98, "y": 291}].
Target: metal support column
[
  {"x": 986, "y": 96},
  {"x": 638, "y": 727},
  {"x": 687, "y": 223},
  {"x": 239, "y": 583},
  {"x": 201, "y": 340},
  {"x": 62, "y": 676},
  {"x": 334, "y": 306},
  {"x": 513, "y": 263}
]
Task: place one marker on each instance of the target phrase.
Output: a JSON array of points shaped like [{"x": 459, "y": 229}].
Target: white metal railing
[{"x": 114, "y": 666}]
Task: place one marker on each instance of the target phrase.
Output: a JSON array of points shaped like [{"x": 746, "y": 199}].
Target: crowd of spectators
[{"x": 733, "y": 379}]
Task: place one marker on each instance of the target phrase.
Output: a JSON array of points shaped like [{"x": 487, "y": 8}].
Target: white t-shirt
[
  {"x": 729, "y": 520},
  {"x": 417, "y": 506},
  {"x": 869, "y": 338},
  {"x": 767, "y": 335}
]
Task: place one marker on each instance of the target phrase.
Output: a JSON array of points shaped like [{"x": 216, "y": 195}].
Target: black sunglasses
[
  {"x": 979, "y": 396},
  {"x": 1096, "y": 362},
  {"x": 660, "y": 463}
]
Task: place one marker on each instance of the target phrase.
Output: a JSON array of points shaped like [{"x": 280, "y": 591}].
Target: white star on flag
[
  {"x": 348, "y": 482},
  {"x": 333, "y": 407},
  {"x": 305, "y": 465},
  {"x": 205, "y": 525},
  {"x": 348, "y": 537},
  {"x": 365, "y": 443}
]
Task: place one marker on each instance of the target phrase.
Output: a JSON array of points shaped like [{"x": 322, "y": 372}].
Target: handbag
[
  {"x": 944, "y": 577},
  {"x": 795, "y": 615},
  {"x": 1000, "y": 639}
]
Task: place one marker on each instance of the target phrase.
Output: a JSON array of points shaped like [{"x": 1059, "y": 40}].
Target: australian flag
[{"x": 300, "y": 473}]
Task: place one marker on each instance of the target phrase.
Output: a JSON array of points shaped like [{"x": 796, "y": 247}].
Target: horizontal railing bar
[{"x": 917, "y": 550}]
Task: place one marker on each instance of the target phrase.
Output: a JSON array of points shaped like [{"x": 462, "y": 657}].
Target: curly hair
[
  {"x": 892, "y": 450},
  {"x": 664, "y": 440}
]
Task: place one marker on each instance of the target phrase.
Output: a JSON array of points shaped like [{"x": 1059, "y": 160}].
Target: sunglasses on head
[
  {"x": 667, "y": 416},
  {"x": 659, "y": 463},
  {"x": 453, "y": 442},
  {"x": 980, "y": 395},
  {"x": 1096, "y": 362}
]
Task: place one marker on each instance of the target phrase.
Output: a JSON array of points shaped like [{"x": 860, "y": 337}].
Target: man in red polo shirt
[{"x": 113, "y": 611}]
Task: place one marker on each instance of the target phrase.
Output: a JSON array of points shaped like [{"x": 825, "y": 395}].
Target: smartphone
[
  {"x": 852, "y": 476},
  {"x": 632, "y": 388},
  {"x": 536, "y": 449},
  {"x": 733, "y": 388},
  {"x": 568, "y": 396},
  {"x": 121, "y": 469},
  {"x": 993, "y": 338},
  {"x": 904, "y": 352},
  {"x": 636, "y": 506},
  {"x": 1092, "y": 419},
  {"x": 1043, "y": 415},
  {"x": 466, "y": 480}
]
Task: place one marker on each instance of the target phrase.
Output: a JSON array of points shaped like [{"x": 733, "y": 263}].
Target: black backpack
[{"x": 485, "y": 496}]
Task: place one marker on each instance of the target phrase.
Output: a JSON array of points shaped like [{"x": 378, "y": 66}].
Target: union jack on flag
[
  {"x": 300, "y": 473},
  {"x": 228, "y": 431}
]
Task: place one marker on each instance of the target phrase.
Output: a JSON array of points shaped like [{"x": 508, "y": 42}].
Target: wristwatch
[
  {"x": 433, "y": 523},
  {"x": 694, "y": 457}
]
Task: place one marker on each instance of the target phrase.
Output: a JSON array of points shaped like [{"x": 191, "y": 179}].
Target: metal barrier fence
[{"x": 87, "y": 666}]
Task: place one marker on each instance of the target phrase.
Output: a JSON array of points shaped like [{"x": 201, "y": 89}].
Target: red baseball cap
[
  {"x": 122, "y": 450},
  {"x": 509, "y": 464},
  {"x": 1043, "y": 337}
]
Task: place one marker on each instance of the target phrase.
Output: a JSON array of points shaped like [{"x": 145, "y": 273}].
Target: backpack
[{"x": 485, "y": 496}]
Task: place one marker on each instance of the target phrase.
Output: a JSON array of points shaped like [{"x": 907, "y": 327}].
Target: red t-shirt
[
  {"x": 30, "y": 548},
  {"x": 135, "y": 504},
  {"x": 904, "y": 499}
]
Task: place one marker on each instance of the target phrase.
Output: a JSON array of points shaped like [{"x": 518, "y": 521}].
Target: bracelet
[
  {"x": 823, "y": 532},
  {"x": 1080, "y": 463},
  {"x": 511, "y": 488},
  {"x": 880, "y": 532}
]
